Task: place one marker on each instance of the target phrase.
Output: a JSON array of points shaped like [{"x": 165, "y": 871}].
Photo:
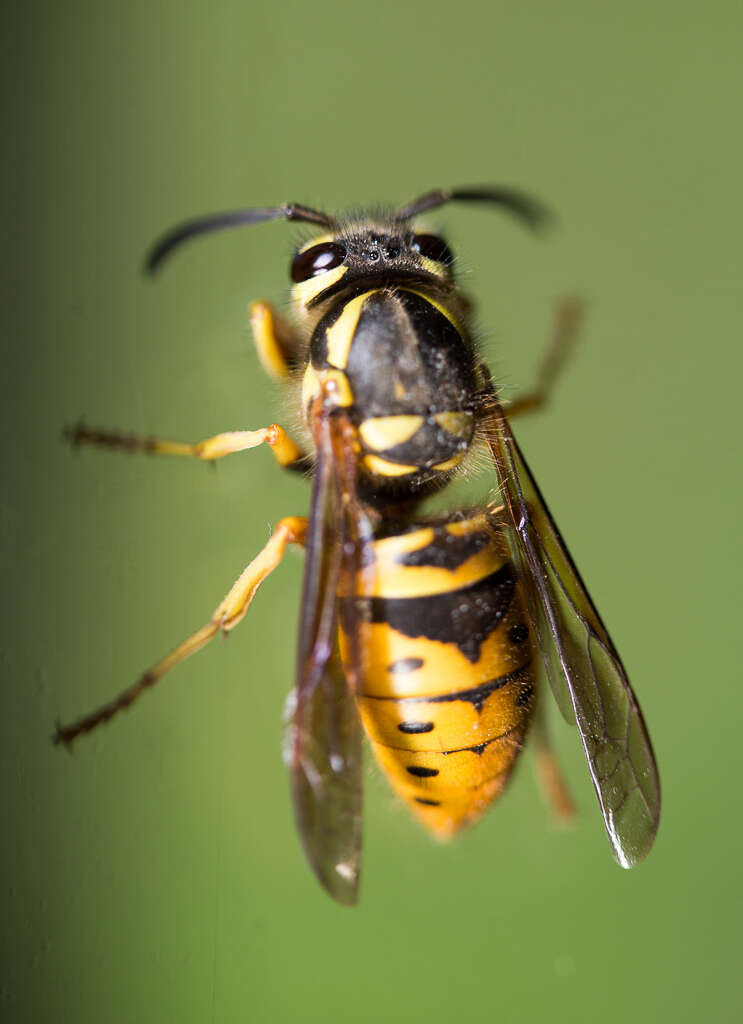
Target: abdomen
[{"x": 447, "y": 685}]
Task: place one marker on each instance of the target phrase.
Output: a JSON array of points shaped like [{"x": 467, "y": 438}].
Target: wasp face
[
  {"x": 391, "y": 250},
  {"x": 363, "y": 255}
]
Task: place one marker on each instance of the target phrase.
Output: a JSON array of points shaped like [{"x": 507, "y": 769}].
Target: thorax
[{"x": 404, "y": 367}]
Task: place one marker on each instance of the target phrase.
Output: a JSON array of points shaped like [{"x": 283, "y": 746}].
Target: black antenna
[
  {"x": 219, "y": 221},
  {"x": 528, "y": 209}
]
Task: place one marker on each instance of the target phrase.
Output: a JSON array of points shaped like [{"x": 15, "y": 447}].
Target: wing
[
  {"x": 323, "y": 743},
  {"x": 584, "y": 670}
]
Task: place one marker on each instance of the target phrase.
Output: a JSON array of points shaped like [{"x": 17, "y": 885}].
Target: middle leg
[
  {"x": 549, "y": 774},
  {"x": 286, "y": 452}
]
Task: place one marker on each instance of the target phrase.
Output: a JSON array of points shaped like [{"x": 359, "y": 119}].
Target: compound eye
[
  {"x": 317, "y": 260},
  {"x": 433, "y": 248}
]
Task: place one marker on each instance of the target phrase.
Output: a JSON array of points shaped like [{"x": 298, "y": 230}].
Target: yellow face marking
[
  {"x": 304, "y": 292},
  {"x": 340, "y": 335},
  {"x": 443, "y": 467},
  {"x": 457, "y": 423},
  {"x": 382, "y": 432},
  {"x": 384, "y": 468},
  {"x": 318, "y": 240},
  {"x": 435, "y": 268}
]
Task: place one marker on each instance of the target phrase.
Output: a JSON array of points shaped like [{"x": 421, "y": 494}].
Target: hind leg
[
  {"x": 549, "y": 775},
  {"x": 291, "y": 530}
]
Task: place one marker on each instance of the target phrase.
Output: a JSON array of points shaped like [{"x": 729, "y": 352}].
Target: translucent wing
[
  {"x": 324, "y": 735},
  {"x": 584, "y": 670}
]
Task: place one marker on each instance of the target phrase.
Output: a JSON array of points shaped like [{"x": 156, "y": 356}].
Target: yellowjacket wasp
[{"x": 421, "y": 629}]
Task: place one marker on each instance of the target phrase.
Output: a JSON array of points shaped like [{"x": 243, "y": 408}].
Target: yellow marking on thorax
[
  {"x": 437, "y": 305},
  {"x": 384, "y": 468},
  {"x": 340, "y": 335},
  {"x": 342, "y": 394},
  {"x": 459, "y": 424},
  {"x": 314, "y": 381},
  {"x": 310, "y": 386},
  {"x": 473, "y": 525},
  {"x": 452, "y": 463},
  {"x": 382, "y": 432}
]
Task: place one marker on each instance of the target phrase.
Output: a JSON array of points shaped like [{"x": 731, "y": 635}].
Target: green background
[{"x": 154, "y": 875}]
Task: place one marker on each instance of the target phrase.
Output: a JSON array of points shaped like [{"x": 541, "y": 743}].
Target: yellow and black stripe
[
  {"x": 447, "y": 681},
  {"x": 401, "y": 362}
]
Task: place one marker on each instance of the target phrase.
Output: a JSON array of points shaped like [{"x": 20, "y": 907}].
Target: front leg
[
  {"x": 286, "y": 452},
  {"x": 276, "y": 342}
]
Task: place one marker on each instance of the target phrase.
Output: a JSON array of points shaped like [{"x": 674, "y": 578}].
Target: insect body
[
  {"x": 448, "y": 676},
  {"x": 425, "y": 629}
]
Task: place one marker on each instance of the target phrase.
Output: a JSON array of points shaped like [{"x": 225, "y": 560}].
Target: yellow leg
[
  {"x": 284, "y": 449},
  {"x": 568, "y": 319},
  {"x": 275, "y": 341},
  {"x": 291, "y": 530}
]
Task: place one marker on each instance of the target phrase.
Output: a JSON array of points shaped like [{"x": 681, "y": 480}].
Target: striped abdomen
[{"x": 447, "y": 682}]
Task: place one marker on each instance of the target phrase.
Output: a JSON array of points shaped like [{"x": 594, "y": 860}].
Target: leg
[
  {"x": 277, "y": 348},
  {"x": 275, "y": 341},
  {"x": 548, "y": 771},
  {"x": 568, "y": 318},
  {"x": 291, "y": 530},
  {"x": 286, "y": 452}
]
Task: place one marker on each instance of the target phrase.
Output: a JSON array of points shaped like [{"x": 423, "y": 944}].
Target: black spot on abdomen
[
  {"x": 415, "y": 727},
  {"x": 421, "y": 772}
]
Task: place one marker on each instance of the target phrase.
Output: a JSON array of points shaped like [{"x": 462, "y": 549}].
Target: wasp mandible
[{"x": 425, "y": 631}]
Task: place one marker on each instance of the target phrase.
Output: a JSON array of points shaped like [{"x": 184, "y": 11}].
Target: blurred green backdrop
[{"x": 155, "y": 875}]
